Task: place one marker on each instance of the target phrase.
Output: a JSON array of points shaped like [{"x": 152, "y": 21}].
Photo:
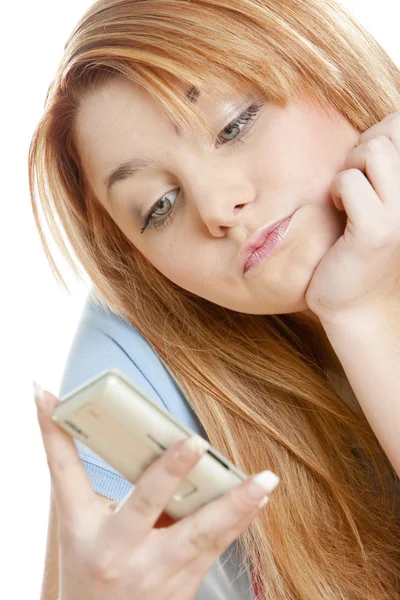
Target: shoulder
[{"x": 103, "y": 340}]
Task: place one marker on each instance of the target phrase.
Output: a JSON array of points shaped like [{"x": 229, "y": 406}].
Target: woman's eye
[{"x": 246, "y": 119}]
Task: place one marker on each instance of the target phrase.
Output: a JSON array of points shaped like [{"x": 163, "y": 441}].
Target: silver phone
[{"x": 125, "y": 427}]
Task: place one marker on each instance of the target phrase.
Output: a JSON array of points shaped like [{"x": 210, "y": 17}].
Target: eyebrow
[{"x": 135, "y": 165}]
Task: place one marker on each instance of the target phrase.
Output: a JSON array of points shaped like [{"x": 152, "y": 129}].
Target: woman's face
[{"x": 212, "y": 199}]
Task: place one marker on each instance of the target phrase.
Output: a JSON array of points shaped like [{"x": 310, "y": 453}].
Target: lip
[{"x": 258, "y": 239}]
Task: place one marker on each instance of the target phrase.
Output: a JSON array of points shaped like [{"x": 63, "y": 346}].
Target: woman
[{"x": 287, "y": 362}]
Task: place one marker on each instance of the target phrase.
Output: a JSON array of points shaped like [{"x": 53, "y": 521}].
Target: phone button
[{"x": 185, "y": 489}]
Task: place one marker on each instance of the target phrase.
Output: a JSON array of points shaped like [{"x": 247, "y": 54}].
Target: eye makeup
[{"x": 245, "y": 119}]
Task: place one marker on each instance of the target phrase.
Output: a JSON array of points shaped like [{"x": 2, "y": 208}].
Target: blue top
[{"x": 103, "y": 340}]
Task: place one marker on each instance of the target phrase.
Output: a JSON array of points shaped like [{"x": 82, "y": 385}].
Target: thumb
[{"x": 70, "y": 482}]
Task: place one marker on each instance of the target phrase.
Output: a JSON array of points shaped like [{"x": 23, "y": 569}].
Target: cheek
[
  {"x": 331, "y": 139},
  {"x": 186, "y": 266},
  {"x": 168, "y": 258},
  {"x": 187, "y": 275},
  {"x": 294, "y": 155},
  {"x": 291, "y": 168}
]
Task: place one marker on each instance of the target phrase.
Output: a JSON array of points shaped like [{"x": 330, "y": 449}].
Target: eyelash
[{"x": 247, "y": 118}]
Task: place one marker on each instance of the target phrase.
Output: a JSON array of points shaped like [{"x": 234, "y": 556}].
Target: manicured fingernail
[
  {"x": 267, "y": 480},
  {"x": 261, "y": 486},
  {"x": 194, "y": 445},
  {"x": 197, "y": 444},
  {"x": 38, "y": 395}
]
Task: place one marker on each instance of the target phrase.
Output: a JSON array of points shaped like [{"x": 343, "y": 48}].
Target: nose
[
  {"x": 220, "y": 206},
  {"x": 221, "y": 214},
  {"x": 216, "y": 190}
]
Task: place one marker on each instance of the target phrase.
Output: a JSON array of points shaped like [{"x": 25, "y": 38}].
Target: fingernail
[
  {"x": 260, "y": 486},
  {"x": 38, "y": 395},
  {"x": 197, "y": 444},
  {"x": 267, "y": 480},
  {"x": 194, "y": 445}
]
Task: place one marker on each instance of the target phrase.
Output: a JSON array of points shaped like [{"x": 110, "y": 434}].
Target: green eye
[
  {"x": 163, "y": 201},
  {"x": 244, "y": 119}
]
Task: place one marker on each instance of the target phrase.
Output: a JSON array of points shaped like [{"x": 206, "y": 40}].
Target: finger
[
  {"x": 187, "y": 553},
  {"x": 146, "y": 502},
  {"x": 363, "y": 207},
  {"x": 379, "y": 160},
  {"x": 192, "y": 575},
  {"x": 163, "y": 521},
  {"x": 70, "y": 482},
  {"x": 210, "y": 530},
  {"x": 389, "y": 127}
]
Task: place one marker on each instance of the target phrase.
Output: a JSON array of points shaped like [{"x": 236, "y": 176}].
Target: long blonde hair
[{"x": 256, "y": 382}]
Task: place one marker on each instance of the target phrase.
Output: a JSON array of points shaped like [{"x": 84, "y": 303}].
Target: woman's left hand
[{"x": 360, "y": 274}]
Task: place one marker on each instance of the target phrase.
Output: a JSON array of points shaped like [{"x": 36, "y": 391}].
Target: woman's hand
[
  {"x": 115, "y": 552},
  {"x": 360, "y": 275}
]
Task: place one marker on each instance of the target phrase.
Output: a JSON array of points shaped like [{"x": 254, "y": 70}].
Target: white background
[{"x": 39, "y": 319}]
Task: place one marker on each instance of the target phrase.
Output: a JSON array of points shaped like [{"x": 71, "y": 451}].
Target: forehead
[
  {"x": 121, "y": 120},
  {"x": 105, "y": 113},
  {"x": 113, "y": 124}
]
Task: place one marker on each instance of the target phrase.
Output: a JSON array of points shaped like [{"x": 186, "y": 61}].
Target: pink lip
[{"x": 274, "y": 232}]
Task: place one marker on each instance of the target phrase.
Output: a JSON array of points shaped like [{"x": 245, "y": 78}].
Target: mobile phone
[{"x": 125, "y": 427}]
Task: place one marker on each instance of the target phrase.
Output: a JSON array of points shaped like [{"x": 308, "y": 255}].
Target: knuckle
[
  {"x": 174, "y": 467},
  {"x": 144, "y": 503},
  {"x": 396, "y": 127},
  {"x": 377, "y": 144},
  {"x": 345, "y": 179},
  {"x": 233, "y": 533},
  {"x": 177, "y": 466},
  {"x": 103, "y": 567},
  {"x": 378, "y": 141},
  {"x": 379, "y": 237},
  {"x": 202, "y": 539},
  {"x": 242, "y": 503}
]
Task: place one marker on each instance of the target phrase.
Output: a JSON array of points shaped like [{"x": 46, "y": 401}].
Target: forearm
[
  {"x": 49, "y": 590},
  {"x": 369, "y": 351},
  {"x": 50, "y": 584}
]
